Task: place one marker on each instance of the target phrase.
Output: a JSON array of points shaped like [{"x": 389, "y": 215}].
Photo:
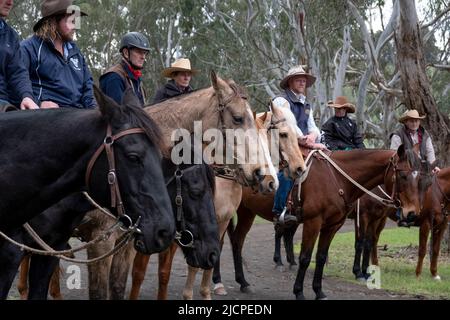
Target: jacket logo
[{"x": 75, "y": 64}]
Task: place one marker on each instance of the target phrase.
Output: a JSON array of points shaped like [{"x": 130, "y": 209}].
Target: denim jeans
[{"x": 282, "y": 193}]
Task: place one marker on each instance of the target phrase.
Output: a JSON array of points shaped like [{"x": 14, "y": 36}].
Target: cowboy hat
[
  {"x": 297, "y": 71},
  {"x": 180, "y": 65},
  {"x": 342, "y": 102},
  {"x": 410, "y": 114},
  {"x": 51, "y": 8}
]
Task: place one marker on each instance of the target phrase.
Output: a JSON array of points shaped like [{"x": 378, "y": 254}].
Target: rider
[
  {"x": 294, "y": 85},
  {"x": 58, "y": 71},
  {"x": 180, "y": 73},
  {"x": 134, "y": 48},
  {"x": 410, "y": 134},
  {"x": 13, "y": 76},
  {"x": 340, "y": 132}
]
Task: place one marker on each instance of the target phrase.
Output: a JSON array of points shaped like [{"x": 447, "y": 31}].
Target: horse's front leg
[
  {"x": 311, "y": 230},
  {"x": 359, "y": 245},
  {"x": 219, "y": 288},
  {"x": 188, "y": 291},
  {"x": 288, "y": 237},
  {"x": 277, "y": 253},
  {"x": 164, "y": 270},
  {"x": 326, "y": 236},
  {"x": 22, "y": 283},
  {"x": 205, "y": 286},
  {"x": 423, "y": 239},
  {"x": 138, "y": 271}
]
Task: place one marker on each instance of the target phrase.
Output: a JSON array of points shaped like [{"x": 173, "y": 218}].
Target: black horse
[{"x": 44, "y": 155}]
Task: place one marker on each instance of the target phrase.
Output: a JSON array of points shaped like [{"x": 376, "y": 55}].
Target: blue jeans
[{"x": 282, "y": 194}]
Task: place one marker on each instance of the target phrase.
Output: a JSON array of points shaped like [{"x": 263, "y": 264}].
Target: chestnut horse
[
  {"x": 434, "y": 216},
  {"x": 323, "y": 212},
  {"x": 226, "y": 201}
]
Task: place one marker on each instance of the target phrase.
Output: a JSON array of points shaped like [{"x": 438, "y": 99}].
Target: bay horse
[
  {"x": 323, "y": 212},
  {"x": 226, "y": 203},
  {"x": 44, "y": 155},
  {"x": 433, "y": 216}
]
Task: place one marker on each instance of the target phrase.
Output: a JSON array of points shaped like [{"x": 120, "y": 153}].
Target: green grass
[{"x": 397, "y": 263}]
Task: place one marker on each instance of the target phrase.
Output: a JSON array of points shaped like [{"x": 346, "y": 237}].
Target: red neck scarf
[{"x": 137, "y": 74}]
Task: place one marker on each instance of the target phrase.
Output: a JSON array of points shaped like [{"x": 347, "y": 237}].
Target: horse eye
[
  {"x": 134, "y": 158},
  {"x": 238, "y": 120},
  {"x": 283, "y": 135}
]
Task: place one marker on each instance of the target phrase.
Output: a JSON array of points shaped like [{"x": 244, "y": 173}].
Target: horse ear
[
  {"x": 107, "y": 106},
  {"x": 220, "y": 86},
  {"x": 416, "y": 149},
  {"x": 130, "y": 99}
]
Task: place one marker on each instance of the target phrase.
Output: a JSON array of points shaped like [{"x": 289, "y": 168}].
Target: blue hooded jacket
[
  {"x": 66, "y": 80},
  {"x": 14, "y": 80}
]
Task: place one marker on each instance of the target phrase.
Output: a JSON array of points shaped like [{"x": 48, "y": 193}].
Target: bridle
[
  {"x": 116, "y": 198},
  {"x": 184, "y": 237},
  {"x": 393, "y": 162}
]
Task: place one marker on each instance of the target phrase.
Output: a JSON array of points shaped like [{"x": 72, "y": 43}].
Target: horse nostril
[
  {"x": 299, "y": 171},
  {"x": 271, "y": 186},
  {"x": 258, "y": 175},
  {"x": 139, "y": 245},
  {"x": 213, "y": 258}
]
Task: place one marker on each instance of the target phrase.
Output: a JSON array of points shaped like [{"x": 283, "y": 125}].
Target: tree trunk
[{"x": 415, "y": 83}]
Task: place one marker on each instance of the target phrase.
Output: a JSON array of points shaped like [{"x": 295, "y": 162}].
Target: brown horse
[
  {"x": 434, "y": 216},
  {"x": 327, "y": 198}
]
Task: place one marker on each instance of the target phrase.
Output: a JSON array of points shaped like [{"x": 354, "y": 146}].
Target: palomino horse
[
  {"x": 226, "y": 203},
  {"x": 433, "y": 216},
  {"x": 133, "y": 156},
  {"x": 44, "y": 156},
  {"x": 323, "y": 212},
  {"x": 222, "y": 106}
]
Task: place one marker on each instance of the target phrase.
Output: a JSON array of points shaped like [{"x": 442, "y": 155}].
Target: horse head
[
  {"x": 234, "y": 112},
  {"x": 283, "y": 120},
  {"x": 191, "y": 189},
  {"x": 144, "y": 202},
  {"x": 409, "y": 182}
]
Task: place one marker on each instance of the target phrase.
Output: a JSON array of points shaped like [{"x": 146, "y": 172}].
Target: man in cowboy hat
[
  {"x": 294, "y": 85},
  {"x": 58, "y": 71},
  {"x": 412, "y": 133},
  {"x": 134, "y": 48},
  {"x": 340, "y": 132},
  {"x": 14, "y": 79},
  {"x": 180, "y": 73}
]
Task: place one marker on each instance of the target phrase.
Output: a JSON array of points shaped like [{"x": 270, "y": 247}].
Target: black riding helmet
[{"x": 134, "y": 40}]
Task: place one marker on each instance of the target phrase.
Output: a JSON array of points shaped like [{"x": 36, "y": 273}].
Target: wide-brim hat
[
  {"x": 410, "y": 114},
  {"x": 342, "y": 102},
  {"x": 297, "y": 71},
  {"x": 51, "y": 8},
  {"x": 180, "y": 65}
]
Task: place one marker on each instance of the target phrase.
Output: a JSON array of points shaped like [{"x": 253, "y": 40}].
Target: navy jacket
[
  {"x": 169, "y": 90},
  {"x": 66, "y": 81},
  {"x": 14, "y": 80}
]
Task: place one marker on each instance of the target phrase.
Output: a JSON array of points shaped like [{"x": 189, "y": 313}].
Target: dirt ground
[{"x": 267, "y": 282}]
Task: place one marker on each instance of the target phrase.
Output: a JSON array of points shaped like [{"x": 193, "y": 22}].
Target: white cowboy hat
[
  {"x": 297, "y": 71},
  {"x": 410, "y": 114},
  {"x": 179, "y": 65},
  {"x": 342, "y": 102}
]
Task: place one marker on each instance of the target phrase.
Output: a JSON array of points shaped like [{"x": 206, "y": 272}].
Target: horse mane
[
  {"x": 138, "y": 118},
  {"x": 238, "y": 90}
]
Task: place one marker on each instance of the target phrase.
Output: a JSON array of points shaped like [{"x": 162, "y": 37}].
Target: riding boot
[{"x": 284, "y": 218}]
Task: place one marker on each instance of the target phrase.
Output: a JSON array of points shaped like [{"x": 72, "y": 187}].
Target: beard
[{"x": 66, "y": 37}]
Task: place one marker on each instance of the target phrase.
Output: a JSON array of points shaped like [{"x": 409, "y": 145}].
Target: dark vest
[
  {"x": 118, "y": 68},
  {"x": 301, "y": 111},
  {"x": 407, "y": 140}
]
